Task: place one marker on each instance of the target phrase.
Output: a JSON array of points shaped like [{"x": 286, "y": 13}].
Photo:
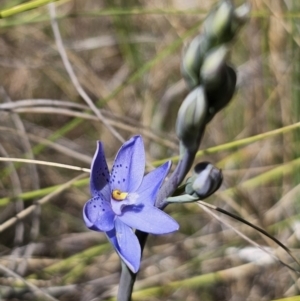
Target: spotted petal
[
  {"x": 148, "y": 219},
  {"x": 152, "y": 182},
  {"x": 98, "y": 214},
  {"x": 99, "y": 180},
  {"x": 126, "y": 244},
  {"x": 129, "y": 166}
]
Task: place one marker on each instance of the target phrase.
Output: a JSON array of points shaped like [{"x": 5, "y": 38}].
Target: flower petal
[
  {"x": 152, "y": 182},
  {"x": 98, "y": 215},
  {"x": 126, "y": 244},
  {"x": 99, "y": 179},
  {"x": 148, "y": 219},
  {"x": 129, "y": 166}
]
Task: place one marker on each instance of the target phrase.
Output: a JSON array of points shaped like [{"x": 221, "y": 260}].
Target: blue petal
[
  {"x": 126, "y": 244},
  {"x": 98, "y": 215},
  {"x": 129, "y": 166},
  {"x": 152, "y": 182},
  {"x": 99, "y": 179},
  {"x": 148, "y": 219}
]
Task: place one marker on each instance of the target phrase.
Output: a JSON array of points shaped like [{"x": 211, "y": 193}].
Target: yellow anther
[{"x": 118, "y": 195}]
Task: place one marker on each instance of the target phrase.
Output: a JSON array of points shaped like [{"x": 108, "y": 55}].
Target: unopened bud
[
  {"x": 217, "y": 25},
  {"x": 241, "y": 13},
  {"x": 218, "y": 79},
  {"x": 221, "y": 94},
  {"x": 205, "y": 180},
  {"x": 192, "y": 60},
  {"x": 224, "y": 21},
  {"x": 191, "y": 118},
  {"x": 213, "y": 68}
]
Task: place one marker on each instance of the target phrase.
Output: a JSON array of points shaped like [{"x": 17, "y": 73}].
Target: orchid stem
[
  {"x": 126, "y": 284},
  {"x": 181, "y": 170},
  {"x": 127, "y": 278},
  {"x": 176, "y": 178}
]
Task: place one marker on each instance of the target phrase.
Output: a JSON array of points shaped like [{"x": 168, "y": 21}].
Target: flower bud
[
  {"x": 218, "y": 79},
  {"x": 191, "y": 118},
  {"x": 205, "y": 180},
  {"x": 192, "y": 60},
  {"x": 241, "y": 14},
  {"x": 213, "y": 68},
  {"x": 224, "y": 21},
  {"x": 217, "y": 25},
  {"x": 219, "y": 96}
]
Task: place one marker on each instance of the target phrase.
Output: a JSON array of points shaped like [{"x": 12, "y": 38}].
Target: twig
[
  {"x": 19, "y": 205},
  {"x": 54, "y": 145},
  {"x": 21, "y": 215},
  {"x": 33, "y": 288},
  {"x": 208, "y": 207},
  {"x": 69, "y": 69},
  {"x": 39, "y": 162},
  {"x": 35, "y": 181},
  {"x": 124, "y": 125}
]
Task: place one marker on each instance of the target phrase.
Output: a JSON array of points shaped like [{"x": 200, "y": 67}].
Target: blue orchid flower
[{"x": 124, "y": 199}]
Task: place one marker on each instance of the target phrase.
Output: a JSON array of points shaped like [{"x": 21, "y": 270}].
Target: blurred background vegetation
[{"x": 126, "y": 55}]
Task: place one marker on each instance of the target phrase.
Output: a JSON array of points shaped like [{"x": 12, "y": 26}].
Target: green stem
[
  {"x": 185, "y": 198},
  {"x": 23, "y": 7},
  {"x": 127, "y": 279}
]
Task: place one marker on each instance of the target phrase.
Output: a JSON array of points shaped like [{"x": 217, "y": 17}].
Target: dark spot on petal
[
  {"x": 123, "y": 180},
  {"x": 120, "y": 165},
  {"x": 103, "y": 210},
  {"x": 118, "y": 182},
  {"x": 95, "y": 206}
]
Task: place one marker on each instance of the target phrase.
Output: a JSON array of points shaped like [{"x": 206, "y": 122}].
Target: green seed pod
[
  {"x": 205, "y": 180},
  {"x": 191, "y": 118}
]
